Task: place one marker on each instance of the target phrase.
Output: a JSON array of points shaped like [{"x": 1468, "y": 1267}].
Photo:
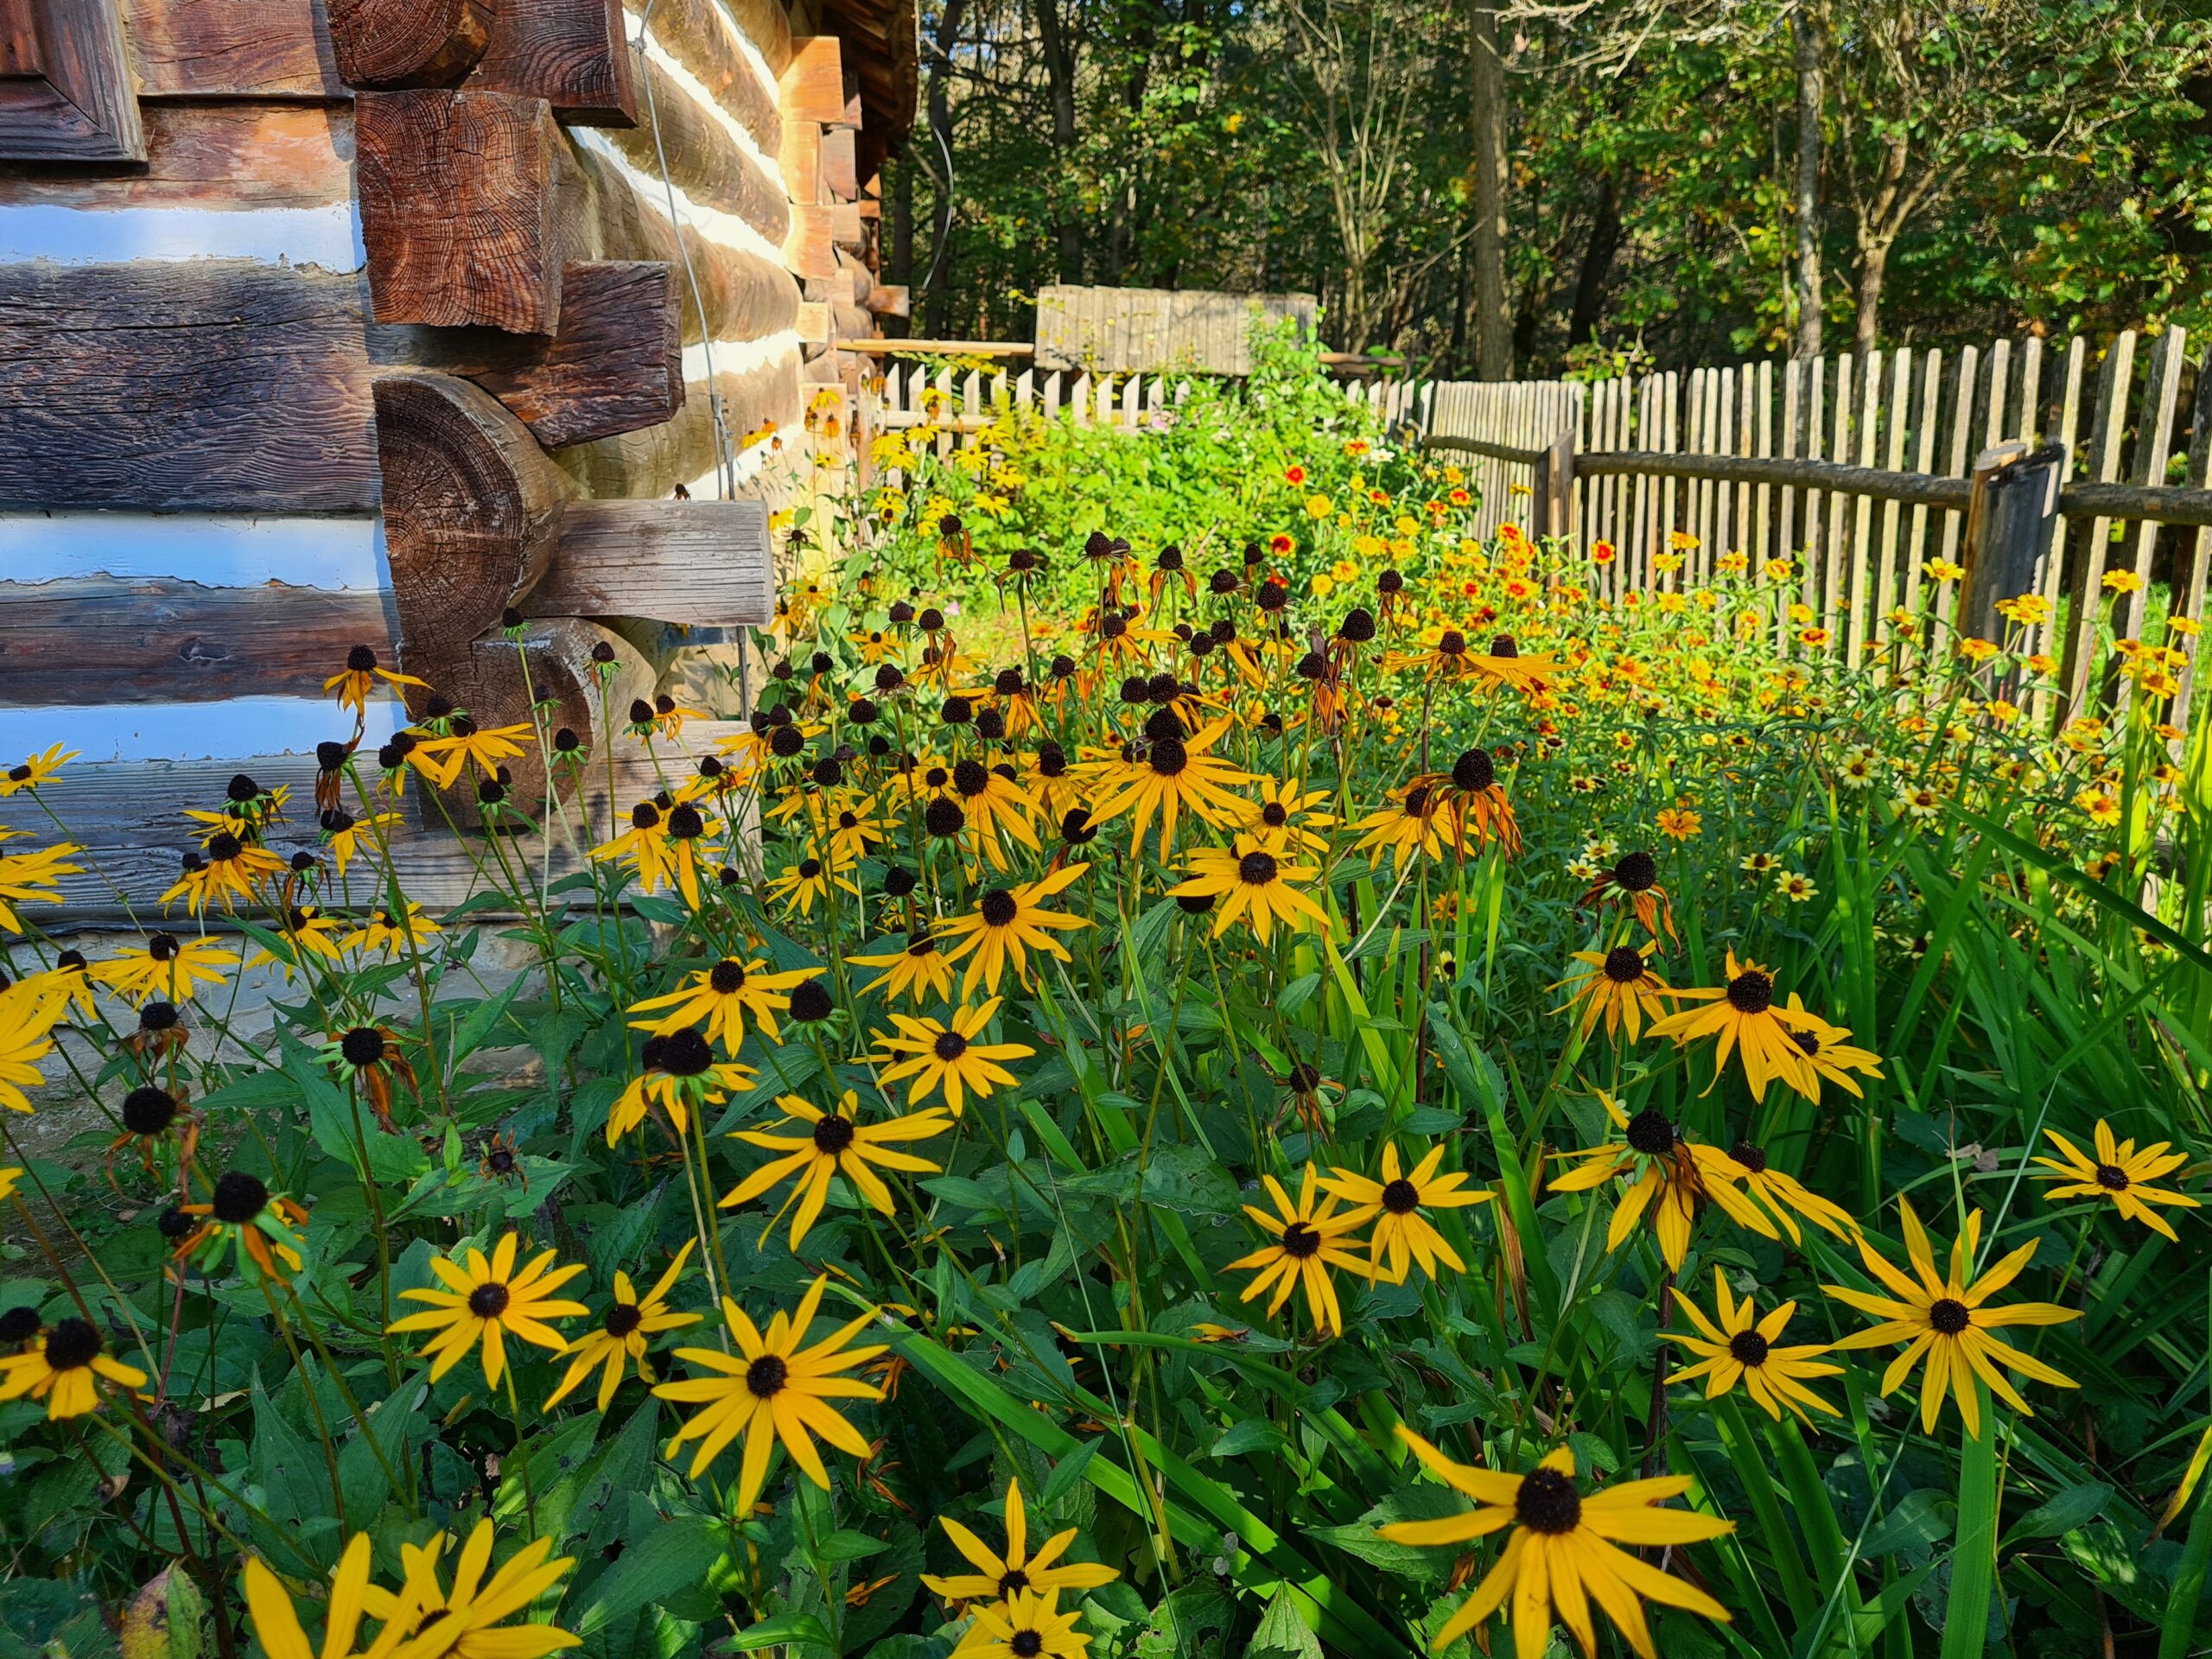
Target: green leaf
[
  {"x": 1282, "y": 1631},
  {"x": 683, "y": 1551},
  {"x": 1922, "y": 1517},
  {"x": 2076, "y": 1506},
  {"x": 1361, "y": 1540},
  {"x": 780, "y": 1632},
  {"x": 842, "y": 1547},
  {"x": 1066, "y": 1473},
  {"x": 480, "y": 1022},
  {"x": 1974, "y": 1559}
]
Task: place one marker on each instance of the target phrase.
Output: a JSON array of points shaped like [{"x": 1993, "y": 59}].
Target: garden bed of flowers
[{"x": 1221, "y": 1068}]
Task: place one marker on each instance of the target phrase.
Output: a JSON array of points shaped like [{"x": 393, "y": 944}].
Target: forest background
[{"x": 1525, "y": 190}]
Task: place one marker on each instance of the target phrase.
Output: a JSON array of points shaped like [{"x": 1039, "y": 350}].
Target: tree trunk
[
  {"x": 1809, "y": 33},
  {"x": 1873, "y": 268},
  {"x": 1059, "y": 86},
  {"x": 937, "y": 311},
  {"x": 902, "y": 218},
  {"x": 1487, "y": 115},
  {"x": 1596, "y": 263}
]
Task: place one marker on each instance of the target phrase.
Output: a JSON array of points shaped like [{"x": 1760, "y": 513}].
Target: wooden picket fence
[{"x": 2135, "y": 410}]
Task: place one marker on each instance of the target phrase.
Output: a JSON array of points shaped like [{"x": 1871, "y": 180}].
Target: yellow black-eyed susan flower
[
  {"x": 774, "y": 1389},
  {"x": 835, "y": 1143},
  {"x": 1306, "y": 1244},
  {"x": 1565, "y": 1550},
  {"x": 1735, "y": 1346},
  {"x": 1620, "y": 988},
  {"x": 2120, "y": 1174},
  {"x": 64, "y": 1369},
  {"x": 1944, "y": 1322},
  {"x": 1743, "y": 1015},
  {"x": 1394, "y": 1202},
  {"x": 936, "y": 1055},
  {"x": 486, "y": 1300},
  {"x": 1001, "y": 1578},
  {"x": 626, "y": 1331}
]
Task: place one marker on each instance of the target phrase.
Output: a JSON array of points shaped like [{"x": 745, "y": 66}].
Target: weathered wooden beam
[
  {"x": 839, "y": 164},
  {"x": 385, "y": 44},
  {"x": 65, "y": 88},
  {"x": 471, "y": 510},
  {"x": 745, "y": 295},
  {"x": 84, "y": 640},
  {"x": 211, "y": 49},
  {"x": 570, "y": 52},
  {"x": 812, "y": 84},
  {"x": 694, "y": 33},
  {"x": 703, "y": 161},
  {"x": 894, "y": 299},
  {"x": 224, "y": 157},
  {"x": 248, "y": 395},
  {"x": 810, "y": 249},
  {"x": 460, "y": 208},
  {"x": 705, "y": 563},
  {"x": 799, "y": 159},
  {"x": 616, "y": 364},
  {"x": 653, "y": 461}
]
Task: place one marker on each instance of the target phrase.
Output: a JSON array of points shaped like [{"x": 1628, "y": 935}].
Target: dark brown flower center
[
  {"x": 950, "y": 1046},
  {"x": 1547, "y": 1503},
  {"x": 998, "y": 908},
  {"x": 1651, "y": 1133},
  {"x": 1636, "y": 873},
  {"x": 766, "y": 1376},
  {"x": 1014, "y": 1579},
  {"x": 1749, "y": 1156},
  {"x": 624, "y": 1317},
  {"x": 1301, "y": 1240},
  {"x": 363, "y": 1046},
  {"x": 832, "y": 1135},
  {"x": 238, "y": 1197},
  {"x": 1169, "y": 757},
  {"x": 1027, "y": 1644},
  {"x": 149, "y": 1110},
  {"x": 1949, "y": 1316},
  {"x": 1748, "y": 1348},
  {"x": 2112, "y": 1177},
  {"x": 1750, "y": 992},
  {"x": 1400, "y": 1197},
  {"x": 73, "y": 1345},
  {"x": 488, "y": 1300},
  {"x": 726, "y": 976},
  {"x": 1624, "y": 964},
  {"x": 1256, "y": 869}
]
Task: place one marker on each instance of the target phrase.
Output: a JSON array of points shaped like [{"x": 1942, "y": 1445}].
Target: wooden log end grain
[
  {"x": 459, "y": 195},
  {"x": 617, "y": 363},
  {"x": 386, "y": 44}
]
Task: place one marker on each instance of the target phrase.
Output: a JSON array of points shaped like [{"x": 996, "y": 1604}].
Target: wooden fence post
[
  {"x": 1555, "y": 490},
  {"x": 2009, "y": 517}
]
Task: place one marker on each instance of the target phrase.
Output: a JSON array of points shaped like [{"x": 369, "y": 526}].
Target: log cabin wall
[{"x": 338, "y": 322}]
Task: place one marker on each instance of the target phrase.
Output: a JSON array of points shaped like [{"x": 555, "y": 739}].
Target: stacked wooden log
[{"x": 367, "y": 322}]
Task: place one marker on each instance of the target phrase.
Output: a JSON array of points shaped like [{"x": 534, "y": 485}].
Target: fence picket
[
  {"x": 1870, "y": 412},
  {"x": 2153, "y": 448},
  {"x": 2107, "y": 431},
  {"x": 1763, "y": 545},
  {"x": 1885, "y": 586}
]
